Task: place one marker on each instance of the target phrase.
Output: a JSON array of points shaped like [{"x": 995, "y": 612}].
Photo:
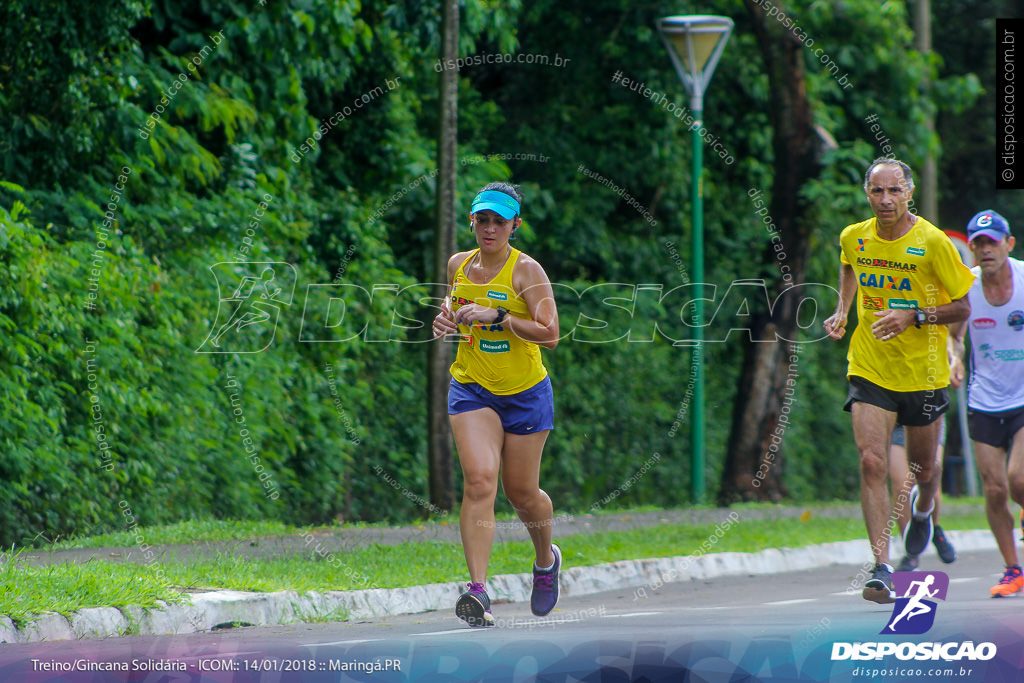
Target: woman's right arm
[{"x": 443, "y": 321}]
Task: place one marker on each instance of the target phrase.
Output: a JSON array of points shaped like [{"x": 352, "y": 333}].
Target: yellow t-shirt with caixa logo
[
  {"x": 921, "y": 269},
  {"x": 491, "y": 355}
]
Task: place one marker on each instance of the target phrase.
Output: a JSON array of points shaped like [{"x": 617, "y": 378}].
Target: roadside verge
[{"x": 207, "y": 611}]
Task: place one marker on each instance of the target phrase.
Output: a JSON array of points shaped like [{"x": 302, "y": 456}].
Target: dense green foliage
[{"x": 180, "y": 134}]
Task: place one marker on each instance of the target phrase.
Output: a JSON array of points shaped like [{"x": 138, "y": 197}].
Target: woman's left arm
[{"x": 531, "y": 283}]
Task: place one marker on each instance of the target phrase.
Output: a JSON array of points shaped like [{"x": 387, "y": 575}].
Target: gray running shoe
[
  {"x": 879, "y": 587},
  {"x": 907, "y": 564},
  {"x": 947, "y": 553},
  {"x": 919, "y": 531}
]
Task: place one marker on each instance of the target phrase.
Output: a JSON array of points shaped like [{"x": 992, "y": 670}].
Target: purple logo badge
[{"x": 914, "y": 610}]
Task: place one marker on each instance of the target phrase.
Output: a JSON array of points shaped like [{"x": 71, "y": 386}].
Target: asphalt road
[{"x": 726, "y": 630}]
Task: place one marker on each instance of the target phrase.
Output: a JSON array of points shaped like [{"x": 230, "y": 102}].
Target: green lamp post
[{"x": 695, "y": 43}]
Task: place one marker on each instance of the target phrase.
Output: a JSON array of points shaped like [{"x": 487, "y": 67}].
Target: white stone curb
[{"x": 221, "y": 608}]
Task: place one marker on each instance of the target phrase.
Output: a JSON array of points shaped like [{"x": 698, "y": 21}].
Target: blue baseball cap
[
  {"x": 500, "y": 203},
  {"x": 988, "y": 223}
]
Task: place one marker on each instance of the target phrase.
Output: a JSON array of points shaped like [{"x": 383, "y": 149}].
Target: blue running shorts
[{"x": 527, "y": 412}]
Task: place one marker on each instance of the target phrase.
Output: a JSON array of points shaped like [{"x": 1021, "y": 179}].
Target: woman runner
[{"x": 500, "y": 400}]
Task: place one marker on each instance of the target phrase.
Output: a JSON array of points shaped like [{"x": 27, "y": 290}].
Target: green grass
[
  {"x": 65, "y": 587},
  {"x": 180, "y": 533},
  {"x": 211, "y": 531}
]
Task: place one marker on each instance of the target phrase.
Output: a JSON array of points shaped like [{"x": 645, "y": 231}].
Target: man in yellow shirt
[{"x": 909, "y": 283}]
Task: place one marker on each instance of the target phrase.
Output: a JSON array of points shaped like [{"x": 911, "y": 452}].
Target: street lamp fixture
[{"x": 695, "y": 43}]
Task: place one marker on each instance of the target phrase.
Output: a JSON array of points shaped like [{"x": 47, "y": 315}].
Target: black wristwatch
[
  {"x": 919, "y": 317},
  {"x": 501, "y": 315}
]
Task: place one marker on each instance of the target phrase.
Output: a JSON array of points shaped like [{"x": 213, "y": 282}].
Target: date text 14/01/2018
[{"x": 268, "y": 664}]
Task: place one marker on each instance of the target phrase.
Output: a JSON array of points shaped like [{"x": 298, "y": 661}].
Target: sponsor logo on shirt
[
  {"x": 873, "y": 303},
  {"x": 501, "y": 346},
  {"x": 1016, "y": 320},
  {"x": 497, "y": 296},
  {"x": 883, "y": 281},
  {"x": 916, "y": 251},
  {"x": 983, "y": 323},
  {"x": 903, "y": 303},
  {"x": 887, "y": 264},
  {"x": 1009, "y": 354},
  {"x": 861, "y": 244}
]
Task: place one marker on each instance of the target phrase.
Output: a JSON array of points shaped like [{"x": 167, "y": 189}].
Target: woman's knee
[
  {"x": 479, "y": 485},
  {"x": 524, "y": 497}
]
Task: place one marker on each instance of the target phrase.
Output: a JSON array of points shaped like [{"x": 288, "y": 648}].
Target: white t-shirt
[{"x": 997, "y": 347}]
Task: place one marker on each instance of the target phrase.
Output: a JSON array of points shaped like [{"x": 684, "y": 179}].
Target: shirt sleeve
[{"x": 955, "y": 277}]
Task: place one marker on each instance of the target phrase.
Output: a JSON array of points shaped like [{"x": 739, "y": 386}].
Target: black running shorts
[
  {"x": 995, "y": 429},
  {"x": 912, "y": 408}
]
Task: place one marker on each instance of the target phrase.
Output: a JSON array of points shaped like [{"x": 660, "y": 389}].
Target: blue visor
[{"x": 500, "y": 203}]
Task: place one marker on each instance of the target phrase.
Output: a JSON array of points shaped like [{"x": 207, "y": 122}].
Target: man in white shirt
[{"x": 995, "y": 389}]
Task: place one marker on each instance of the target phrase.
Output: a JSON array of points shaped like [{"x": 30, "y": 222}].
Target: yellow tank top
[{"x": 491, "y": 355}]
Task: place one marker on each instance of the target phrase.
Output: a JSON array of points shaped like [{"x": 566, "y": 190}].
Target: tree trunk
[
  {"x": 754, "y": 463},
  {"x": 442, "y": 481},
  {"x": 926, "y": 197}
]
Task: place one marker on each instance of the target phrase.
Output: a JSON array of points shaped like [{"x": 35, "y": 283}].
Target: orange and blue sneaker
[
  {"x": 1012, "y": 582},
  {"x": 474, "y": 607}
]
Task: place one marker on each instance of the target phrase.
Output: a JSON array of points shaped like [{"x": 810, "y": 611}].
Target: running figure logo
[
  {"x": 913, "y": 613},
  {"x": 247, "y": 318}
]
